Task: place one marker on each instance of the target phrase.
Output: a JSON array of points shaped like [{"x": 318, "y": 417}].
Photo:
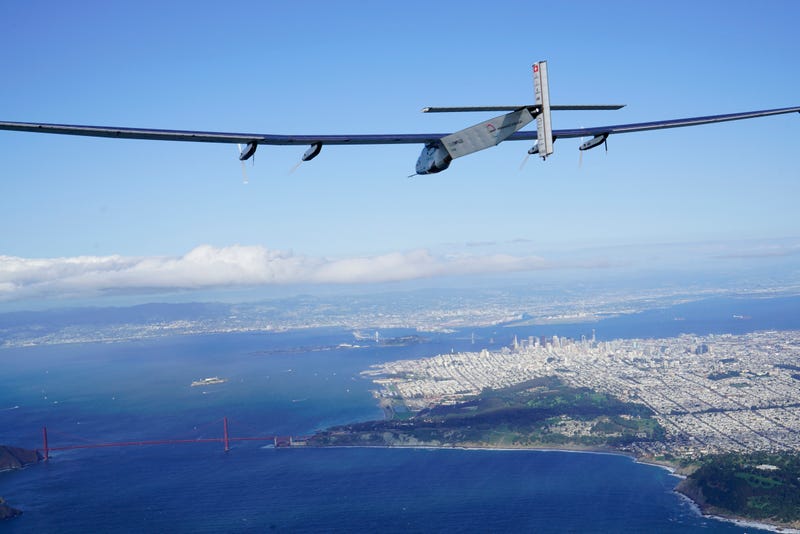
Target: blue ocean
[{"x": 293, "y": 384}]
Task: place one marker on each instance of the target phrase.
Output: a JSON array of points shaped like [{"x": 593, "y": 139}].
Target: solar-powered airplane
[{"x": 440, "y": 149}]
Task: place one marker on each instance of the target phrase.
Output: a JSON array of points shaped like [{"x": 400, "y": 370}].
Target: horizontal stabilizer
[{"x": 578, "y": 107}]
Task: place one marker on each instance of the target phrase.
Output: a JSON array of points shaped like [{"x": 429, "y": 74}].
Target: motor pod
[
  {"x": 312, "y": 152},
  {"x": 594, "y": 141},
  {"x": 248, "y": 151}
]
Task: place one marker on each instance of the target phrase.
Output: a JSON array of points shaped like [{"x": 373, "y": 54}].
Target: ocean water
[{"x": 295, "y": 383}]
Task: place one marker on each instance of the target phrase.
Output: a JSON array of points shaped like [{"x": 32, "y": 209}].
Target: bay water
[{"x": 294, "y": 383}]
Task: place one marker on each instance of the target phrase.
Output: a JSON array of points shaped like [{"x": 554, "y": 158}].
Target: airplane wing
[
  {"x": 362, "y": 139},
  {"x": 554, "y": 107},
  {"x": 440, "y": 149},
  {"x": 658, "y": 125},
  {"x": 219, "y": 137}
]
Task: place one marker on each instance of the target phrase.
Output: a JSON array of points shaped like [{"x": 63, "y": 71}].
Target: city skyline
[{"x": 712, "y": 393}]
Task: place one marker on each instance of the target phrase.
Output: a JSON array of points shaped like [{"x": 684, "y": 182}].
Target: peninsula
[
  {"x": 720, "y": 409},
  {"x": 762, "y": 486},
  {"x": 14, "y": 458},
  {"x": 540, "y": 413},
  {"x": 544, "y": 413}
]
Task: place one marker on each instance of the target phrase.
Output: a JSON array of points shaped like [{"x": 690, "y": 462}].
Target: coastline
[
  {"x": 673, "y": 467},
  {"x": 14, "y": 459},
  {"x": 715, "y": 513},
  {"x": 673, "y": 470}
]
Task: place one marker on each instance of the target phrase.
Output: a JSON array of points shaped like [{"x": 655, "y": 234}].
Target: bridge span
[{"x": 225, "y": 440}]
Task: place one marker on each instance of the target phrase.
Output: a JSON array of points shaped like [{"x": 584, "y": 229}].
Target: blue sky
[{"x": 368, "y": 67}]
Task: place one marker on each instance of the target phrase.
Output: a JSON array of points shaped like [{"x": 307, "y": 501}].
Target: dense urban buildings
[{"x": 711, "y": 393}]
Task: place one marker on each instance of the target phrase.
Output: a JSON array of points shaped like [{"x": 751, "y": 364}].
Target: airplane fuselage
[{"x": 434, "y": 158}]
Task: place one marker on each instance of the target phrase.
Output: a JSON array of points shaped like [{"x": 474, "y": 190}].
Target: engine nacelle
[
  {"x": 248, "y": 151},
  {"x": 312, "y": 152},
  {"x": 434, "y": 158},
  {"x": 594, "y": 141}
]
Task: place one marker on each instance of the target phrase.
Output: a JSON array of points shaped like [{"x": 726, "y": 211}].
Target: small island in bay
[{"x": 6, "y": 511}]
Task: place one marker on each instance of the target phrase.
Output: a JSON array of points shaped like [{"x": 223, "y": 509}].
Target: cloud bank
[{"x": 208, "y": 267}]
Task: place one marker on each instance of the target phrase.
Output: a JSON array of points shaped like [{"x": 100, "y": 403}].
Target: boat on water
[{"x": 209, "y": 381}]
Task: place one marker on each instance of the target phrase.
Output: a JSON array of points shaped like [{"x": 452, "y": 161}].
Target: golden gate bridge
[{"x": 226, "y": 439}]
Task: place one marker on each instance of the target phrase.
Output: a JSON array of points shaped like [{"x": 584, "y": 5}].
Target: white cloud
[
  {"x": 208, "y": 267},
  {"x": 212, "y": 267}
]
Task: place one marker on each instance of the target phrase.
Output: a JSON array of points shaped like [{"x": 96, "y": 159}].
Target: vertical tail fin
[{"x": 542, "y": 92}]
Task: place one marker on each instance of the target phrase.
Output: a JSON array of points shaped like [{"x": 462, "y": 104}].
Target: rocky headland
[{"x": 14, "y": 458}]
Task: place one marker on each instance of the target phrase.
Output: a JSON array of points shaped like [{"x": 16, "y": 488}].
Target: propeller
[
  {"x": 593, "y": 142},
  {"x": 296, "y": 166},
  {"x": 248, "y": 152},
  {"x": 524, "y": 161},
  {"x": 244, "y": 167},
  {"x": 531, "y": 151}
]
